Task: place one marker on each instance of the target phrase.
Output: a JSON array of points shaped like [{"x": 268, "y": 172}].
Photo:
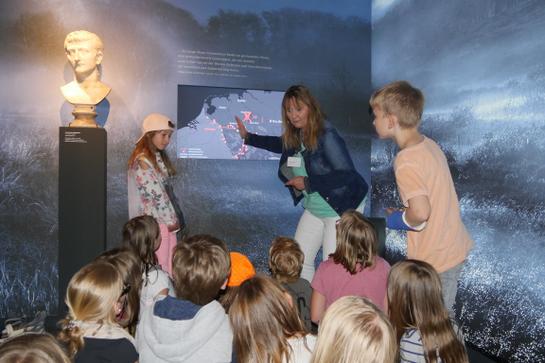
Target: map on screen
[{"x": 207, "y": 127}]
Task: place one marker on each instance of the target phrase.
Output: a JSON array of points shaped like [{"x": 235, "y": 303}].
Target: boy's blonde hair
[
  {"x": 401, "y": 100},
  {"x": 356, "y": 242},
  {"x": 200, "y": 267},
  {"x": 354, "y": 330},
  {"x": 91, "y": 297},
  {"x": 285, "y": 259}
]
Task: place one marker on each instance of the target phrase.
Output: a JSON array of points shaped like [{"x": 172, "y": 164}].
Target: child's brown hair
[
  {"x": 125, "y": 260},
  {"x": 200, "y": 267},
  {"x": 356, "y": 242},
  {"x": 263, "y": 320},
  {"x": 285, "y": 259},
  {"x": 415, "y": 301}
]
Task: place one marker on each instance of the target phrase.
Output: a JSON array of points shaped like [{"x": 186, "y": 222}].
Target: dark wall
[
  {"x": 480, "y": 65},
  {"x": 241, "y": 202}
]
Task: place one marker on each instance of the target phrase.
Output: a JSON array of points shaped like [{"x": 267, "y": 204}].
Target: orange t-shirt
[{"x": 422, "y": 169}]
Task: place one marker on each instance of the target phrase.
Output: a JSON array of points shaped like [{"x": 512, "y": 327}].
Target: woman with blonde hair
[
  {"x": 266, "y": 325},
  {"x": 353, "y": 269},
  {"x": 354, "y": 330},
  {"x": 317, "y": 168},
  {"x": 421, "y": 321},
  {"x": 95, "y": 297}
]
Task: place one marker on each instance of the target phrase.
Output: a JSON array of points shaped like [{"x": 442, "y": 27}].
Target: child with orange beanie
[{"x": 242, "y": 269}]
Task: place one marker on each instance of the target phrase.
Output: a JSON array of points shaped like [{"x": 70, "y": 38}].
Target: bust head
[{"x": 84, "y": 52}]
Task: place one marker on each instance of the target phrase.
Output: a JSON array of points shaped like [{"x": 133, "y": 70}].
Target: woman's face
[
  {"x": 161, "y": 139},
  {"x": 297, "y": 113}
]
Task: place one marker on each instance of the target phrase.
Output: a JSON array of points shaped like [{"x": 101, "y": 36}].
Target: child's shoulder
[
  {"x": 411, "y": 335},
  {"x": 379, "y": 261},
  {"x": 329, "y": 264},
  {"x": 156, "y": 273},
  {"x": 419, "y": 155},
  {"x": 426, "y": 146},
  {"x": 300, "y": 283},
  {"x": 107, "y": 350}
]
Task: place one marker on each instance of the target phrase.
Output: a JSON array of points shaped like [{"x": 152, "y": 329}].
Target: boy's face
[{"x": 383, "y": 123}]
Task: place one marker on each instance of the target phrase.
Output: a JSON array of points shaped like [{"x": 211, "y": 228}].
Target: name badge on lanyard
[{"x": 294, "y": 162}]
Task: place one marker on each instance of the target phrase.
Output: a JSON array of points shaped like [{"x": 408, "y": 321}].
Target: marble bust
[{"x": 84, "y": 51}]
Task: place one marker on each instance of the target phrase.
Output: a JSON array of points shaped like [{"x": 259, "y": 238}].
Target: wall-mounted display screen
[{"x": 207, "y": 127}]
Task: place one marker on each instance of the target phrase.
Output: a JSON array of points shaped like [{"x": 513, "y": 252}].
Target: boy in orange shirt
[{"x": 431, "y": 213}]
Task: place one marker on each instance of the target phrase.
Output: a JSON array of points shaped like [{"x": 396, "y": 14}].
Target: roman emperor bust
[{"x": 84, "y": 51}]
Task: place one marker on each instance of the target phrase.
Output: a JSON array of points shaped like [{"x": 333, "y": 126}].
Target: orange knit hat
[{"x": 241, "y": 269}]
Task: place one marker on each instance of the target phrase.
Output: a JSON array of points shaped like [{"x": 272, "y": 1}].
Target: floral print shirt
[{"x": 147, "y": 194}]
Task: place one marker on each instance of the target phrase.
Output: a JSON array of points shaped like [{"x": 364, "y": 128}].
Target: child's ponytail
[{"x": 71, "y": 334}]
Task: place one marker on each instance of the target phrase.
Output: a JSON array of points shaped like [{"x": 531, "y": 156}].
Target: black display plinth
[{"x": 82, "y": 201}]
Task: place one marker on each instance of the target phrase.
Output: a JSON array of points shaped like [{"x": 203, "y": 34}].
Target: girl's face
[
  {"x": 297, "y": 113},
  {"x": 161, "y": 139}
]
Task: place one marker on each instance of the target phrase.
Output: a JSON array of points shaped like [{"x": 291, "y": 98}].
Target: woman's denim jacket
[{"x": 330, "y": 169}]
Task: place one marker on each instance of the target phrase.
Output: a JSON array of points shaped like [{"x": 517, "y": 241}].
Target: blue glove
[{"x": 396, "y": 220}]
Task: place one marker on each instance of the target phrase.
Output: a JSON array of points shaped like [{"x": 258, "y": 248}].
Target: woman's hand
[
  {"x": 241, "y": 128},
  {"x": 298, "y": 182}
]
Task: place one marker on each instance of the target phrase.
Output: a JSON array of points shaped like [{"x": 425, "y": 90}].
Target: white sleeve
[{"x": 156, "y": 281}]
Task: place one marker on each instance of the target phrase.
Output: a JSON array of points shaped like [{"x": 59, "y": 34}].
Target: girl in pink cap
[{"x": 149, "y": 189}]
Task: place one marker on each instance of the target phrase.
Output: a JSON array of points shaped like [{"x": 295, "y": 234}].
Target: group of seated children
[{"x": 123, "y": 307}]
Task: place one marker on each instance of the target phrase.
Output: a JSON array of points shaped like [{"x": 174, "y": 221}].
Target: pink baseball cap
[{"x": 155, "y": 122}]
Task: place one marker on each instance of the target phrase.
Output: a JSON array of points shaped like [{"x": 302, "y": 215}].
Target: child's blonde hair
[
  {"x": 285, "y": 259},
  {"x": 263, "y": 320},
  {"x": 32, "y": 348},
  {"x": 401, "y": 100},
  {"x": 200, "y": 267},
  {"x": 91, "y": 296},
  {"x": 356, "y": 242},
  {"x": 415, "y": 302},
  {"x": 354, "y": 330}
]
